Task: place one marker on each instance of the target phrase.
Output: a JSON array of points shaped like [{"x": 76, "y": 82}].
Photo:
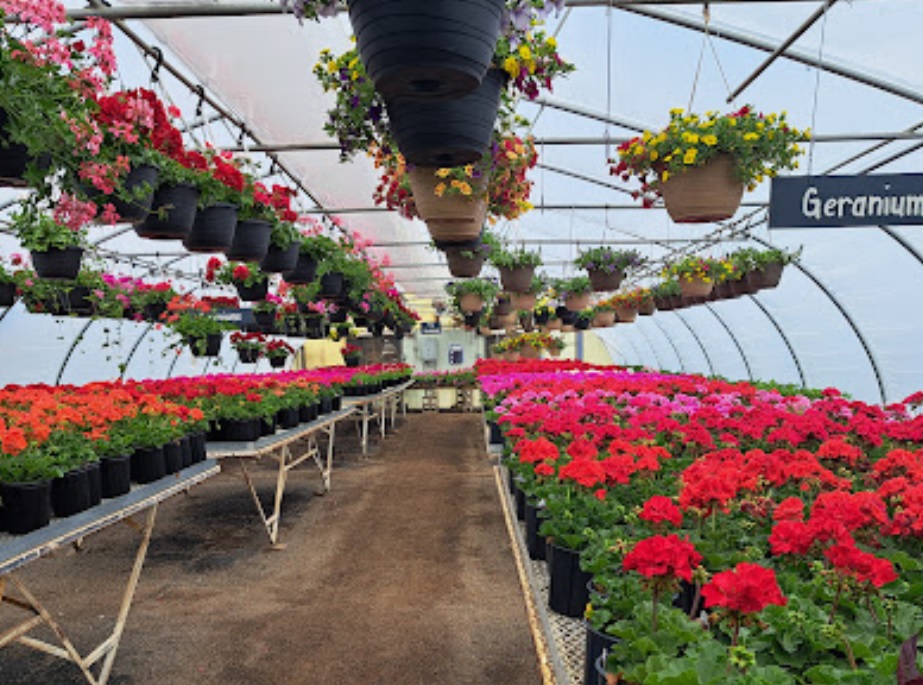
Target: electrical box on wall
[
  {"x": 456, "y": 355},
  {"x": 429, "y": 350}
]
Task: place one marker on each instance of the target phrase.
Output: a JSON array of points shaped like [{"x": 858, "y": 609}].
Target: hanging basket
[
  {"x": 7, "y": 294},
  {"x": 647, "y": 308},
  {"x": 210, "y": 348},
  {"x": 304, "y": 271},
  {"x": 604, "y": 319},
  {"x": 332, "y": 286},
  {"x": 524, "y": 302},
  {"x": 253, "y": 293},
  {"x": 141, "y": 184},
  {"x": 15, "y": 158},
  {"x": 603, "y": 281},
  {"x": 426, "y": 49},
  {"x": 462, "y": 266},
  {"x": 529, "y": 352},
  {"x": 248, "y": 355},
  {"x": 517, "y": 280},
  {"x": 577, "y": 303},
  {"x": 769, "y": 277},
  {"x": 57, "y": 264},
  {"x": 172, "y": 214},
  {"x": 695, "y": 287},
  {"x": 450, "y": 218},
  {"x": 213, "y": 230},
  {"x": 279, "y": 260},
  {"x": 702, "y": 194},
  {"x": 626, "y": 314},
  {"x": 277, "y": 362},
  {"x": 452, "y": 133},
  {"x": 470, "y": 303},
  {"x": 251, "y": 241}
]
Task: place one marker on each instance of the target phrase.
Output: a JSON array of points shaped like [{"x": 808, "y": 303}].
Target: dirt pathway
[{"x": 402, "y": 575}]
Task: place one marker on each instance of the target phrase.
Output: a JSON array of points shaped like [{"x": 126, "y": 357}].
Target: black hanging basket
[
  {"x": 279, "y": 260},
  {"x": 251, "y": 241},
  {"x": 426, "y": 49},
  {"x": 277, "y": 362},
  {"x": 253, "y": 293},
  {"x": 304, "y": 271},
  {"x": 55, "y": 264},
  {"x": 332, "y": 285},
  {"x": 211, "y": 348},
  {"x": 213, "y": 230},
  {"x": 7, "y": 294},
  {"x": 339, "y": 316},
  {"x": 451, "y": 133},
  {"x": 14, "y": 158},
  {"x": 248, "y": 355},
  {"x": 172, "y": 214},
  {"x": 140, "y": 184}
]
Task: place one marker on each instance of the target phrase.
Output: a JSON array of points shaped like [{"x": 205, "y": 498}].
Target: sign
[
  {"x": 238, "y": 316},
  {"x": 430, "y": 328},
  {"x": 456, "y": 355},
  {"x": 833, "y": 201}
]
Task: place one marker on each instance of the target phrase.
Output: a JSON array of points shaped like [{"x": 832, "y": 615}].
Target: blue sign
[{"x": 430, "y": 328}]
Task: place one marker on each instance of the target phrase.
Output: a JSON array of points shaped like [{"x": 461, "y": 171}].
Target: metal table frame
[
  {"x": 379, "y": 406},
  {"x": 17, "y": 551},
  {"x": 279, "y": 447}
]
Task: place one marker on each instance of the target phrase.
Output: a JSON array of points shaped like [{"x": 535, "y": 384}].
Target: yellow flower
[
  {"x": 751, "y": 136},
  {"x": 646, "y": 136},
  {"x": 525, "y": 52},
  {"x": 689, "y": 157},
  {"x": 464, "y": 188},
  {"x": 665, "y": 176},
  {"x": 354, "y": 76},
  {"x": 511, "y": 66},
  {"x": 676, "y": 110},
  {"x": 654, "y": 155},
  {"x": 469, "y": 170},
  {"x": 710, "y": 139},
  {"x": 353, "y": 62},
  {"x": 691, "y": 138},
  {"x": 551, "y": 42},
  {"x": 442, "y": 173},
  {"x": 439, "y": 190}
]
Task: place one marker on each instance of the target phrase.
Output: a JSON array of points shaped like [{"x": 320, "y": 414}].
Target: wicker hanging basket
[{"x": 702, "y": 194}]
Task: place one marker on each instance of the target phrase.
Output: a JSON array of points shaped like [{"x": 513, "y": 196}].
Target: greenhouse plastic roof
[{"x": 845, "y": 316}]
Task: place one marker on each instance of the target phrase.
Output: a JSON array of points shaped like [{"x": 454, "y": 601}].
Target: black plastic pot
[
  {"x": 70, "y": 493},
  {"x": 315, "y": 328},
  {"x": 268, "y": 426},
  {"x": 237, "y": 430},
  {"x": 450, "y": 133},
  {"x": 7, "y": 294},
  {"x": 148, "y": 465},
  {"x": 307, "y": 413},
  {"x": 115, "y": 475},
  {"x": 251, "y": 241},
  {"x": 211, "y": 348},
  {"x": 304, "y": 271},
  {"x": 185, "y": 450},
  {"x": 76, "y": 300},
  {"x": 172, "y": 457},
  {"x": 326, "y": 405},
  {"x": 141, "y": 185},
  {"x": 472, "y": 319},
  {"x": 332, "y": 285},
  {"x": 339, "y": 316},
  {"x": 520, "y": 498},
  {"x": 596, "y": 644},
  {"x": 567, "y": 592},
  {"x": 15, "y": 158},
  {"x": 95, "y": 479},
  {"x": 55, "y": 264},
  {"x": 172, "y": 215},
  {"x": 287, "y": 418},
  {"x": 426, "y": 49},
  {"x": 541, "y": 318},
  {"x": 248, "y": 355},
  {"x": 26, "y": 506},
  {"x": 568, "y": 318},
  {"x": 213, "y": 230},
  {"x": 581, "y": 323},
  {"x": 496, "y": 437},
  {"x": 277, "y": 362},
  {"x": 197, "y": 446},
  {"x": 336, "y": 402},
  {"x": 535, "y": 543},
  {"x": 279, "y": 260},
  {"x": 253, "y": 293},
  {"x": 153, "y": 311}
]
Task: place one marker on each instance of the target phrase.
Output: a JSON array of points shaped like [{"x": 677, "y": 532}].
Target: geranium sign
[{"x": 836, "y": 201}]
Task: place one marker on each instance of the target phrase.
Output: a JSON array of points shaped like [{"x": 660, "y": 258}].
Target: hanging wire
[
  {"x": 817, "y": 72},
  {"x": 608, "y": 77}
]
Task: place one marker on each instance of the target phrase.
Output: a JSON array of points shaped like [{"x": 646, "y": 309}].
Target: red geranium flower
[
  {"x": 663, "y": 555},
  {"x": 746, "y": 589},
  {"x": 660, "y": 509}
]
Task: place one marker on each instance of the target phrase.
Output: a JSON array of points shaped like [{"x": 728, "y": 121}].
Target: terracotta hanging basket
[
  {"x": 695, "y": 287},
  {"x": 577, "y": 303},
  {"x": 604, "y": 319},
  {"x": 470, "y": 303},
  {"x": 603, "y": 281},
  {"x": 626, "y": 314},
  {"x": 524, "y": 302},
  {"x": 702, "y": 194},
  {"x": 450, "y": 218},
  {"x": 554, "y": 352},
  {"x": 529, "y": 352},
  {"x": 768, "y": 277},
  {"x": 647, "y": 308},
  {"x": 517, "y": 280}
]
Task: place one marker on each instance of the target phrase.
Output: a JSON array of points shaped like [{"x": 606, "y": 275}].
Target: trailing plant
[{"x": 608, "y": 259}]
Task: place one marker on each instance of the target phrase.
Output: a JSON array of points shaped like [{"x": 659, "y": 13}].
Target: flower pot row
[
  {"x": 251, "y": 429},
  {"x": 25, "y": 507}
]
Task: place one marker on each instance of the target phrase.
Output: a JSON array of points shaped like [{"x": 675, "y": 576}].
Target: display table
[
  {"x": 380, "y": 406},
  {"x": 17, "y": 551},
  {"x": 280, "y": 447}
]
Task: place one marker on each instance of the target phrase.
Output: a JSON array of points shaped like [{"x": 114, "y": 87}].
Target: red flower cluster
[
  {"x": 663, "y": 556},
  {"x": 746, "y": 589}
]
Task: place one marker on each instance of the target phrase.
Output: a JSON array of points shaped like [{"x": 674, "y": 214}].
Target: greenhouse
[{"x": 475, "y": 341}]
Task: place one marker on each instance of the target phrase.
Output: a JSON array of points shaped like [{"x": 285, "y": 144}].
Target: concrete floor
[{"x": 401, "y": 575}]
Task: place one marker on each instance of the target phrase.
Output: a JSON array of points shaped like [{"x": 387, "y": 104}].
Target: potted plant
[
  {"x": 197, "y": 327},
  {"x": 55, "y": 241},
  {"x": 12, "y": 269},
  {"x": 517, "y": 267},
  {"x": 282, "y": 254},
  {"x": 768, "y": 266},
  {"x": 575, "y": 292},
  {"x": 466, "y": 259},
  {"x": 151, "y": 299},
  {"x": 471, "y": 295},
  {"x": 352, "y": 354},
  {"x": 313, "y": 248},
  {"x": 555, "y": 345},
  {"x": 696, "y": 275},
  {"x": 249, "y": 346},
  {"x": 604, "y": 314},
  {"x": 701, "y": 164},
  {"x": 628, "y": 303},
  {"x": 667, "y": 295},
  {"x": 251, "y": 283},
  {"x": 278, "y": 351},
  {"x": 606, "y": 266},
  {"x": 220, "y": 185}
]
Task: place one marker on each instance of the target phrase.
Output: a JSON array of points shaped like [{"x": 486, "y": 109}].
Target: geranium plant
[
  {"x": 762, "y": 146},
  {"x": 233, "y": 273}
]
